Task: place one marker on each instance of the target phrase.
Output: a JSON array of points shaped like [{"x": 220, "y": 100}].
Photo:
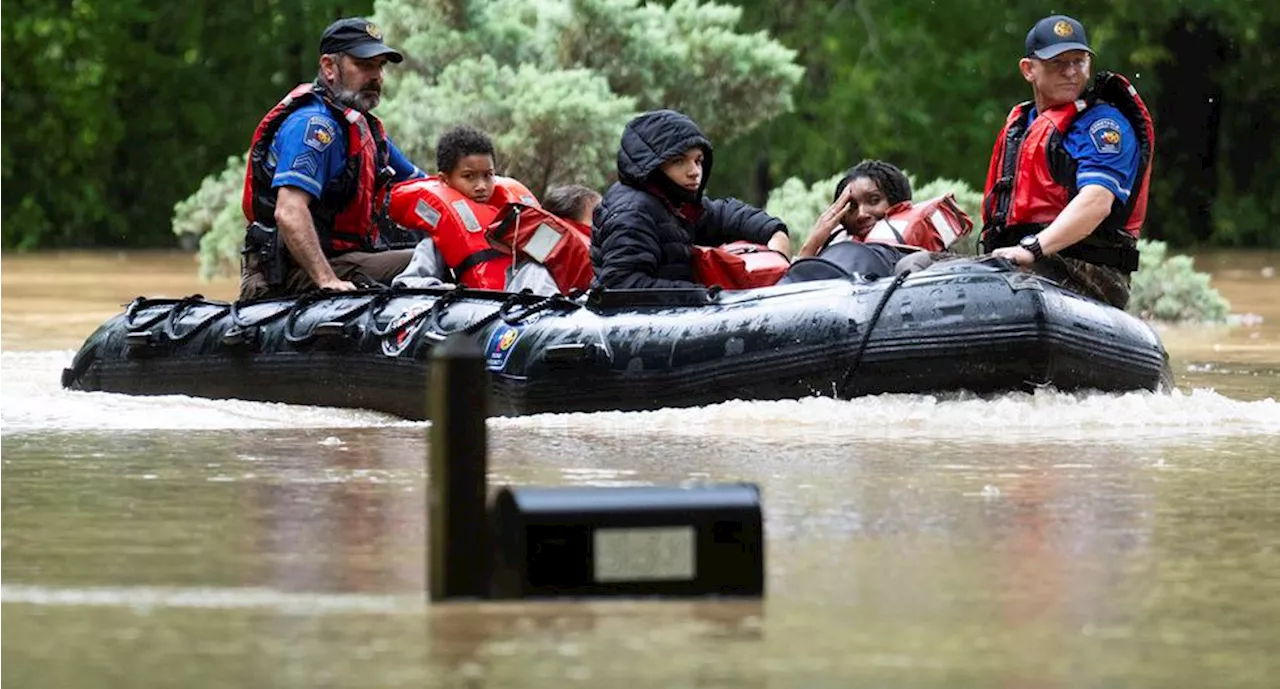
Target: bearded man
[{"x": 318, "y": 165}]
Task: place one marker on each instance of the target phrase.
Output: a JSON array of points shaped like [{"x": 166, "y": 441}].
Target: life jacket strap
[{"x": 476, "y": 259}]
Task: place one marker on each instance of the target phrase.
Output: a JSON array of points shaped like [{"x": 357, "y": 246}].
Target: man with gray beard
[{"x": 318, "y": 165}]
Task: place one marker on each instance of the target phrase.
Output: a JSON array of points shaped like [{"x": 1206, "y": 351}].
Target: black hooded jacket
[{"x": 637, "y": 239}]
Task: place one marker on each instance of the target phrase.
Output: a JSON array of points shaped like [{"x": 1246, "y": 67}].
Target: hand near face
[{"x": 830, "y": 218}]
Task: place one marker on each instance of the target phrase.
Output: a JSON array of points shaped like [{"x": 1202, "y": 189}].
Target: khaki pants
[{"x": 356, "y": 266}]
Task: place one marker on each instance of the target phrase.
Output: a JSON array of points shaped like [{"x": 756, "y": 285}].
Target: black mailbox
[{"x": 641, "y": 541}]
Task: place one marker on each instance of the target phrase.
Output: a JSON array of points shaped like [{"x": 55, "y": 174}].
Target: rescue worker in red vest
[
  {"x": 318, "y": 163},
  {"x": 1066, "y": 190}
]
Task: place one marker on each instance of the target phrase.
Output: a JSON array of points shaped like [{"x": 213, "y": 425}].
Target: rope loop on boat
[
  {"x": 238, "y": 322},
  {"x": 169, "y": 329},
  {"x": 140, "y": 303},
  {"x": 842, "y": 391},
  {"x": 290, "y": 324}
]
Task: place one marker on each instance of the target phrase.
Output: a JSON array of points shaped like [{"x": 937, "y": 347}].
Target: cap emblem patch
[
  {"x": 376, "y": 34},
  {"x": 1062, "y": 29}
]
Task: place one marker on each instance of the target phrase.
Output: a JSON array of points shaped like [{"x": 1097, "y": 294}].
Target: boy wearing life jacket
[
  {"x": 647, "y": 224},
  {"x": 872, "y": 224},
  {"x": 483, "y": 230},
  {"x": 466, "y": 169}
]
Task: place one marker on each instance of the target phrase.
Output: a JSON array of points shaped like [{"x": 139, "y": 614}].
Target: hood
[{"x": 655, "y": 137}]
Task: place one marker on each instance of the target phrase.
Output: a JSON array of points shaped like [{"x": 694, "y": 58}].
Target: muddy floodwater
[{"x": 1048, "y": 539}]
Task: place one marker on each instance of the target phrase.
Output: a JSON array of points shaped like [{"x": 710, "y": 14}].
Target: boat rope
[{"x": 843, "y": 389}]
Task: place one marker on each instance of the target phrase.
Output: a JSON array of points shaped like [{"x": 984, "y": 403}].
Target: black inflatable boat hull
[{"x": 968, "y": 327}]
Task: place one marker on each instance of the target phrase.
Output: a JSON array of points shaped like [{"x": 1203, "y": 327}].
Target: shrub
[{"x": 1168, "y": 288}]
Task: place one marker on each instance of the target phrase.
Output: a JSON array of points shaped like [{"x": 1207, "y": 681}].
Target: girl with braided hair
[
  {"x": 863, "y": 196},
  {"x": 871, "y": 224}
]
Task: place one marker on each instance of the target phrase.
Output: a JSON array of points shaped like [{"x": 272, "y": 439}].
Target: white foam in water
[
  {"x": 142, "y": 598},
  {"x": 1014, "y": 417},
  {"x": 33, "y": 400}
]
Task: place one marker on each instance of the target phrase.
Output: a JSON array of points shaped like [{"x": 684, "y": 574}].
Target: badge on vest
[
  {"x": 1105, "y": 134},
  {"x": 319, "y": 133}
]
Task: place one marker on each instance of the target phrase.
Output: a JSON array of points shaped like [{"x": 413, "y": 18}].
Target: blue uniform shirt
[
  {"x": 310, "y": 149},
  {"x": 1105, "y": 148}
]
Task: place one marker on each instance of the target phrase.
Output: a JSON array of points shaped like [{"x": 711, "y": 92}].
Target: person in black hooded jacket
[{"x": 645, "y": 228}]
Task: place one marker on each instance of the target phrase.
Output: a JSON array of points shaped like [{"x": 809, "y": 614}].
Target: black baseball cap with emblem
[
  {"x": 357, "y": 37},
  {"x": 1055, "y": 35}
]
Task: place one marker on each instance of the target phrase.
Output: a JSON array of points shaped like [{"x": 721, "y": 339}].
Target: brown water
[{"x": 1026, "y": 540}]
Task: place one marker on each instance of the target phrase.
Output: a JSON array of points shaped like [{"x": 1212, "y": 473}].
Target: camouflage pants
[
  {"x": 1102, "y": 283},
  {"x": 356, "y": 266}
]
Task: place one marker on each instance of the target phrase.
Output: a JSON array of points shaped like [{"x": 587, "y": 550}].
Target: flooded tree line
[{"x": 114, "y": 112}]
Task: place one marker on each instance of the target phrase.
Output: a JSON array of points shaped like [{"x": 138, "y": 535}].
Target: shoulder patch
[
  {"x": 1105, "y": 134},
  {"x": 320, "y": 133}
]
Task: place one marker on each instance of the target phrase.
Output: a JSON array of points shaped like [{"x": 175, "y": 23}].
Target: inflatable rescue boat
[{"x": 961, "y": 325}]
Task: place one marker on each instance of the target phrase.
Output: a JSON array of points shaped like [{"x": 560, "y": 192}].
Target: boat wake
[{"x": 33, "y": 400}]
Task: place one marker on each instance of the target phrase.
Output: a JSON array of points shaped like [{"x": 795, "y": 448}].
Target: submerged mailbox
[
  {"x": 631, "y": 541},
  {"x": 539, "y": 542}
]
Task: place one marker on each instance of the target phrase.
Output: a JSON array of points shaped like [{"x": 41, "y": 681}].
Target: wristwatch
[{"x": 1031, "y": 243}]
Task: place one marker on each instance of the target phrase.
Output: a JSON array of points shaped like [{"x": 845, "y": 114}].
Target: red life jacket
[
  {"x": 932, "y": 225},
  {"x": 1031, "y": 178},
  {"x": 738, "y": 265},
  {"x": 561, "y": 245},
  {"x": 510, "y": 190},
  {"x": 343, "y": 215},
  {"x": 458, "y": 225}
]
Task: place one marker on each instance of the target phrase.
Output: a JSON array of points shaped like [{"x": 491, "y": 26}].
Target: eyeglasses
[{"x": 1060, "y": 65}]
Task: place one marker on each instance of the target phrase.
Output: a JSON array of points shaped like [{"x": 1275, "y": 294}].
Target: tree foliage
[
  {"x": 114, "y": 111},
  {"x": 1168, "y": 288}
]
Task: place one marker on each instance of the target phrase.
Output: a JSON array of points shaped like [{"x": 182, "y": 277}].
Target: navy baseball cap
[
  {"x": 358, "y": 37},
  {"x": 1053, "y": 36}
]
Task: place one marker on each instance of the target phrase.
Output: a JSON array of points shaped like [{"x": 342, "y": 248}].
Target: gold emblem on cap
[
  {"x": 1063, "y": 29},
  {"x": 372, "y": 30}
]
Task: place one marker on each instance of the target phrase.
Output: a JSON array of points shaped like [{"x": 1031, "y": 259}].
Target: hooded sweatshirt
[{"x": 645, "y": 227}]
